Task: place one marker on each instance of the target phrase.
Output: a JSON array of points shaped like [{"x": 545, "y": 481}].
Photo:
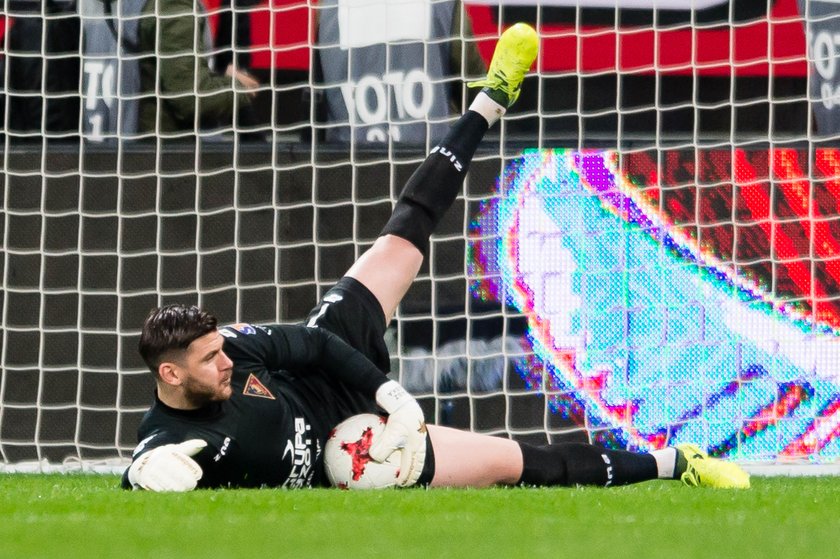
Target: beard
[{"x": 200, "y": 394}]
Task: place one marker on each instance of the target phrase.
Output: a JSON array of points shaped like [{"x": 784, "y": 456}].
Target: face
[{"x": 205, "y": 371}]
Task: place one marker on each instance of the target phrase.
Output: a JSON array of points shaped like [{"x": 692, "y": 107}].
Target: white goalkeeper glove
[
  {"x": 168, "y": 467},
  {"x": 405, "y": 431}
]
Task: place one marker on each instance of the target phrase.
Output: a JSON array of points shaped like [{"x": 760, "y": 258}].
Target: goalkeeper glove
[
  {"x": 405, "y": 430},
  {"x": 168, "y": 467}
]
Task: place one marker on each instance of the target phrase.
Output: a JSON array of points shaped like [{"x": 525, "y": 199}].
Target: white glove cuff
[
  {"x": 134, "y": 471},
  {"x": 391, "y": 396}
]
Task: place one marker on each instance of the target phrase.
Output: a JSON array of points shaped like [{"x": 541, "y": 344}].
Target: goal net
[{"x": 645, "y": 252}]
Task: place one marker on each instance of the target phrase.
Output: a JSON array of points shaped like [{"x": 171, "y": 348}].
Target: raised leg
[{"x": 389, "y": 267}]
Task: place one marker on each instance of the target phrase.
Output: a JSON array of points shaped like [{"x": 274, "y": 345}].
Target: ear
[{"x": 169, "y": 373}]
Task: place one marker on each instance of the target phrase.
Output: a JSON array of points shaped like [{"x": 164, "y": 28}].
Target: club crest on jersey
[
  {"x": 255, "y": 388},
  {"x": 244, "y": 328}
]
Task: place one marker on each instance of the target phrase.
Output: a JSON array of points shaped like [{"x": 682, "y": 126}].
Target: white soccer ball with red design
[{"x": 346, "y": 457}]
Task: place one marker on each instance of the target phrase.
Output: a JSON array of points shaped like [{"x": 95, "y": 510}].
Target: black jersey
[{"x": 291, "y": 385}]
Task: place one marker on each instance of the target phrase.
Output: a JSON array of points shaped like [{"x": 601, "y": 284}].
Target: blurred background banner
[
  {"x": 715, "y": 38},
  {"x": 823, "y": 39}
]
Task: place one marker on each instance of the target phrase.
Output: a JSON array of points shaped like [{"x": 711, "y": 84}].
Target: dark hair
[{"x": 172, "y": 328}]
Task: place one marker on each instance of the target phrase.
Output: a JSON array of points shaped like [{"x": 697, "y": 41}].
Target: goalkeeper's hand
[
  {"x": 405, "y": 431},
  {"x": 168, "y": 467}
]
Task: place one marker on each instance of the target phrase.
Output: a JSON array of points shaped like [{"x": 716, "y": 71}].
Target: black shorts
[{"x": 353, "y": 313}]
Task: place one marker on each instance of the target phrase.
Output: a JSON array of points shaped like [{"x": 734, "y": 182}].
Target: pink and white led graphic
[{"x": 665, "y": 307}]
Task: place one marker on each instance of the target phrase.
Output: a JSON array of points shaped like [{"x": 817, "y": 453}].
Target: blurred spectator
[
  {"x": 393, "y": 70},
  {"x": 191, "y": 93},
  {"x": 233, "y": 33},
  {"x": 42, "y": 66},
  {"x": 148, "y": 69}
]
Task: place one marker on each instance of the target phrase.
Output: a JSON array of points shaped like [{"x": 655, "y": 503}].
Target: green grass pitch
[{"x": 89, "y": 517}]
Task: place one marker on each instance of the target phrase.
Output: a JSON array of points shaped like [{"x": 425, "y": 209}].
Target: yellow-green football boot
[
  {"x": 515, "y": 53},
  {"x": 703, "y": 471}
]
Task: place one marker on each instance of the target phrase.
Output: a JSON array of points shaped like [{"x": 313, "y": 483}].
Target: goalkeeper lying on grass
[{"x": 252, "y": 406}]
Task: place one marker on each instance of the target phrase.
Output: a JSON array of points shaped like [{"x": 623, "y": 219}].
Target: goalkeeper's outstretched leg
[
  {"x": 465, "y": 459},
  {"x": 389, "y": 267}
]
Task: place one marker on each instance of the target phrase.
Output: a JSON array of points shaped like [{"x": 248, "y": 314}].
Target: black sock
[
  {"x": 583, "y": 464},
  {"x": 433, "y": 187},
  {"x": 681, "y": 464},
  {"x": 465, "y": 136}
]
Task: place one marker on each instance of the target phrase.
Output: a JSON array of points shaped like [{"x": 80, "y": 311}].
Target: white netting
[{"x": 708, "y": 167}]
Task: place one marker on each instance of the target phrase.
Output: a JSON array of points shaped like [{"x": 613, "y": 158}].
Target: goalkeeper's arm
[
  {"x": 405, "y": 430},
  {"x": 303, "y": 348}
]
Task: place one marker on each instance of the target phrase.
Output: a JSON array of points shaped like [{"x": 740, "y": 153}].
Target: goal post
[{"x": 645, "y": 251}]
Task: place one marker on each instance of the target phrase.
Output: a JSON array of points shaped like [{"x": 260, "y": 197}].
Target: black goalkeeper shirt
[{"x": 291, "y": 385}]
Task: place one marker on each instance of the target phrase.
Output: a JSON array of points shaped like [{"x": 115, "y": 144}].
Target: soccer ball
[{"x": 346, "y": 458}]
